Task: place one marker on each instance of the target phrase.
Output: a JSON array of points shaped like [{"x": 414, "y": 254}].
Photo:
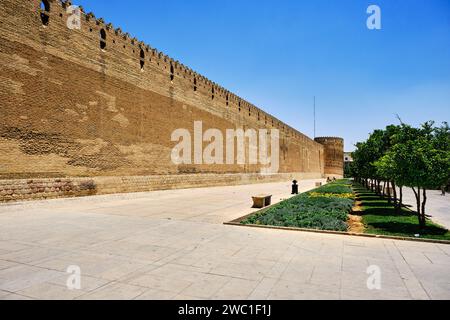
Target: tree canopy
[{"x": 405, "y": 156}]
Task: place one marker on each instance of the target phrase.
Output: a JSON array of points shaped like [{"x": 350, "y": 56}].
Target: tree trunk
[
  {"x": 394, "y": 194},
  {"x": 418, "y": 200},
  {"x": 388, "y": 192},
  {"x": 421, "y": 221},
  {"x": 424, "y": 203},
  {"x": 400, "y": 201}
]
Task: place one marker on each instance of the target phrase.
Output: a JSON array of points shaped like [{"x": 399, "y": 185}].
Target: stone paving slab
[{"x": 133, "y": 247}]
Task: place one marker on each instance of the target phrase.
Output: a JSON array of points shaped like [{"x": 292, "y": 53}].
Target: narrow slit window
[
  {"x": 172, "y": 72},
  {"x": 45, "y": 12},
  {"x": 228, "y": 100},
  {"x": 195, "y": 84},
  {"x": 142, "y": 59},
  {"x": 102, "y": 39},
  {"x": 212, "y": 95}
]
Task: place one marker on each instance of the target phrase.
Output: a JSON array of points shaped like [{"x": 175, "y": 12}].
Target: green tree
[
  {"x": 404, "y": 156},
  {"x": 420, "y": 159},
  {"x": 385, "y": 165}
]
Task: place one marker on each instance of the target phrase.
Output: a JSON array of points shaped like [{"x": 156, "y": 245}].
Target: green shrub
[
  {"x": 305, "y": 212},
  {"x": 334, "y": 188},
  {"x": 347, "y": 182},
  {"x": 325, "y": 208}
]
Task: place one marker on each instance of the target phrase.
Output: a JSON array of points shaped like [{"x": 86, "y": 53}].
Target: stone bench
[{"x": 262, "y": 200}]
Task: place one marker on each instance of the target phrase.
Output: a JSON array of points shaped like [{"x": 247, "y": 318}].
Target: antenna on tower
[{"x": 314, "y": 117}]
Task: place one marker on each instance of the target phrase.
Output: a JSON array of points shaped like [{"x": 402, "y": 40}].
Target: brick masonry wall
[
  {"x": 37, "y": 189},
  {"x": 52, "y": 188},
  {"x": 334, "y": 156},
  {"x": 73, "y": 111}
]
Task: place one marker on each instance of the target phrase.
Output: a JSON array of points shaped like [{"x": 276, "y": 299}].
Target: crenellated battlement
[
  {"x": 330, "y": 140},
  {"x": 126, "y": 44}
]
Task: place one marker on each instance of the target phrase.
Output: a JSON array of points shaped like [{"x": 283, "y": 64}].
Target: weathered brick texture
[
  {"x": 73, "y": 110},
  {"x": 334, "y": 155}
]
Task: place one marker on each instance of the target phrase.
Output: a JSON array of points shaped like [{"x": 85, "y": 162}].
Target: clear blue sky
[{"x": 280, "y": 54}]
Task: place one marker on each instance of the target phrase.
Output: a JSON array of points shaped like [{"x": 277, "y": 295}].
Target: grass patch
[
  {"x": 381, "y": 218},
  {"x": 334, "y": 188},
  {"x": 325, "y": 208}
]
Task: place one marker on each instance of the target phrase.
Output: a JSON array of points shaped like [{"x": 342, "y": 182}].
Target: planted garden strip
[
  {"x": 381, "y": 218},
  {"x": 322, "y": 208}
]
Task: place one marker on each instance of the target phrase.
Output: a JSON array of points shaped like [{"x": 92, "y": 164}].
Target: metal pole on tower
[{"x": 314, "y": 117}]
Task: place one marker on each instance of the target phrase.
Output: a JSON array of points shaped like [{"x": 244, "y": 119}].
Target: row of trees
[{"x": 403, "y": 156}]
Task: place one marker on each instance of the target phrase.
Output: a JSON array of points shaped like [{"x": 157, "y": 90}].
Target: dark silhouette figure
[{"x": 294, "y": 187}]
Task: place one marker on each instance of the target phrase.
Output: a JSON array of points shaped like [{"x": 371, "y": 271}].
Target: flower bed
[{"x": 325, "y": 208}]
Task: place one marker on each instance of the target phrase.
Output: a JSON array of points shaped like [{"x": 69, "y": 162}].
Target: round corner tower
[{"x": 334, "y": 156}]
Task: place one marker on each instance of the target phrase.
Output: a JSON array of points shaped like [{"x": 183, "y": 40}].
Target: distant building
[{"x": 348, "y": 157}]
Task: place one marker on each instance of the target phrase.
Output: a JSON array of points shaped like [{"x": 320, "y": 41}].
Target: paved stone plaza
[{"x": 173, "y": 245}]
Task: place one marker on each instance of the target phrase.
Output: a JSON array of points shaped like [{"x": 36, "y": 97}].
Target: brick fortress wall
[
  {"x": 334, "y": 155},
  {"x": 92, "y": 111}
]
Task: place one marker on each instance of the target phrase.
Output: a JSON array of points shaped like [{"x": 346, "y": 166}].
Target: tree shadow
[
  {"x": 368, "y": 197},
  {"x": 376, "y": 205},
  {"x": 387, "y": 211},
  {"x": 372, "y": 204},
  {"x": 408, "y": 228},
  {"x": 386, "y": 219}
]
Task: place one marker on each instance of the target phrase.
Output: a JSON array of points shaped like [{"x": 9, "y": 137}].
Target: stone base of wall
[{"x": 51, "y": 188}]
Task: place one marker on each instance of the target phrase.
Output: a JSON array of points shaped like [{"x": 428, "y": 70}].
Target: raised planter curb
[{"x": 365, "y": 235}]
